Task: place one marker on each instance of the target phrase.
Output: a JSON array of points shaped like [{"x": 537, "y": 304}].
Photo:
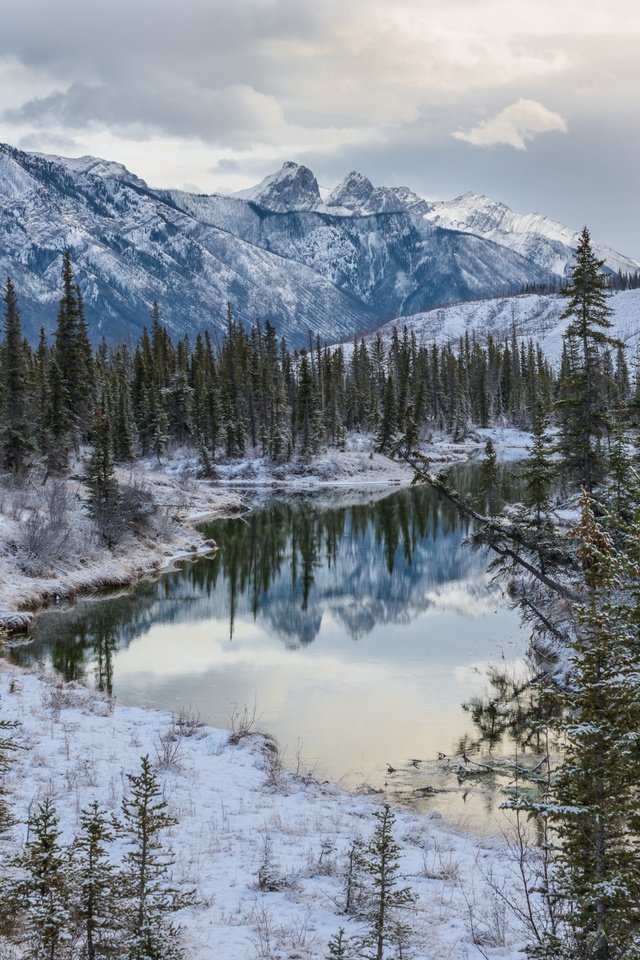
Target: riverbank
[
  {"x": 235, "y": 804},
  {"x": 50, "y": 555}
]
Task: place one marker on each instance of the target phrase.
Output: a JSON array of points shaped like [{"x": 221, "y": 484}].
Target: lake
[{"x": 355, "y": 625}]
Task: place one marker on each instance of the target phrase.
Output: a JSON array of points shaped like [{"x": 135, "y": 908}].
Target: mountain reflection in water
[{"x": 359, "y": 628}]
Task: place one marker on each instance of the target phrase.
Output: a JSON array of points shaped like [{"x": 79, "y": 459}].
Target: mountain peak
[
  {"x": 353, "y": 193},
  {"x": 292, "y": 187}
]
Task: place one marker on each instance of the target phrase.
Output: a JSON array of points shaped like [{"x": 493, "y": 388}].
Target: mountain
[
  {"x": 277, "y": 252},
  {"x": 549, "y": 244},
  {"x": 531, "y": 316}
]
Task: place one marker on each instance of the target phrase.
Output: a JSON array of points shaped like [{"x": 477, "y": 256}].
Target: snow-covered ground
[
  {"x": 234, "y": 801},
  {"x": 85, "y": 566},
  {"x": 34, "y": 572},
  {"x": 533, "y": 316}
]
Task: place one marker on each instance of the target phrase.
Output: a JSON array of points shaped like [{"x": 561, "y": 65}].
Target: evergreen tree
[
  {"x": 386, "y": 897},
  {"x": 151, "y": 898},
  {"x": 15, "y": 443},
  {"x": 103, "y": 501},
  {"x": 8, "y": 747},
  {"x": 339, "y": 947},
  {"x": 74, "y": 358},
  {"x": 41, "y": 896},
  {"x": 582, "y": 407},
  {"x": 97, "y": 898},
  {"x": 489, "y": 472},
  {"x": 595, "y": 807}
]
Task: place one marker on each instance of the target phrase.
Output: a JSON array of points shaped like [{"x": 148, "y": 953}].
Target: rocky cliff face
[{"x": 277, "y": 252}]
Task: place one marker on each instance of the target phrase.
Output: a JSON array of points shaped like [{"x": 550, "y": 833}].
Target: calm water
[{"x": 358, "y": 624}]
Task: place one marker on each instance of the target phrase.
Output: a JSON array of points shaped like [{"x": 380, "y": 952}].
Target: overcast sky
[{"x": 531, "y": 102}]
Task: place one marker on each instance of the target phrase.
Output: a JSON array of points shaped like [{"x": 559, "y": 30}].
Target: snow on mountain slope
[
  {"x": 357, "y": 195},
  {"x": 544, "y": 241},
  {"x": 293, "y": 187},
  {"x": 107, "y": 169},
  {"x": 532, "y": 316},
  {"x": 280, "y": 254},
  {"x": 132, "y": 246}
]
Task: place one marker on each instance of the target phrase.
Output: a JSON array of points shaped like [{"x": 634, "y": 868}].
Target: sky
[{"x": 531, "y": 102}]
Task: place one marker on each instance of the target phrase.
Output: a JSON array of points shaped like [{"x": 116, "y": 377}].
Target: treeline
[{"x": 248, "y": 393}]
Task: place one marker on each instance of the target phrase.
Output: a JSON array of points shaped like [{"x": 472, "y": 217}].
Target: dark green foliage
[
  {"x": 585, "y": 396},
  {"x": 103, "y": 500},
  {"x": 595, "y": 807},
  {"x": 96, "y": 894},
  {"x": 150, "y": 896},
  {"x": 41, "y": 896},
  {"x": 15, "y": 443},
  {"x": 74, "y": 358},
  {"x": 489, "y": 469}
]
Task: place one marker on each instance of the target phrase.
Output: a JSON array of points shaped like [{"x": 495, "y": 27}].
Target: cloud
[{"x": 514, "y": 126}]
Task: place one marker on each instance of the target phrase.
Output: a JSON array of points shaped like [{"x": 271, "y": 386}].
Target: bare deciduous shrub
[
  {"x": 242, "y": 724},
  {"x": 168, "y": 750},
  {"x": 47, "y": 535},
  {"x": 186, "y": 723},
  {"x": 274, "y": 764}
]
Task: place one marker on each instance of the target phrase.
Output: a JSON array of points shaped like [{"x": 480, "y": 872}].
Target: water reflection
[{"x": 359, "y": 628}]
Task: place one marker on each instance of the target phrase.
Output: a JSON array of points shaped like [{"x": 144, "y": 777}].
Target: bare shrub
[
  {"x": 242, "y": 724},
  {"x": 168, "y": 750},
  {"x": 274, "y": 764},
  {"x": 186, "y": 723},
  {"x": 47, "y": 534},
  {"x": 137, "y": 506}
]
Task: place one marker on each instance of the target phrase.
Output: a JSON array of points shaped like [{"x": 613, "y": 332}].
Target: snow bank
[{"x": 231, "y": 800}]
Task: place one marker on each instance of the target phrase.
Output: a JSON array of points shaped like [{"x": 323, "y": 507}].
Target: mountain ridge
[{"x": 331, "y": 268}]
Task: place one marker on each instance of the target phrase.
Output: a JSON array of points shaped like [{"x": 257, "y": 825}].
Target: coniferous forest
[
  {"x": 576, "y": 586},
  {"x": 249, "y": 394}
]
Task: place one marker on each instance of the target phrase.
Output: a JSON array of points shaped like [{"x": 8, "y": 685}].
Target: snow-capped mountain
[
  {"x": 539, "y": 239},
  {"x": 277, "y": 252}
]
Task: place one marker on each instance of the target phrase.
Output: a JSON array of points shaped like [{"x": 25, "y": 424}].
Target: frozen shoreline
[
  {"x": 188, "y": 501},
  {"x": 234, "y": 800}
]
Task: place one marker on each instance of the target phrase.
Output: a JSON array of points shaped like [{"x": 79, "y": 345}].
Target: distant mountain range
[{"x": 336, "y": 266}]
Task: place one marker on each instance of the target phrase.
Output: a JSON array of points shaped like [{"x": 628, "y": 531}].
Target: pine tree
[
  {"x": 386, "y": 897},
  {"x": 582, "y": 407},
  {"x": 15, "y": 442},
  {"x": 103, "y": 499},
  {"x": 595, "y": 806},
  {"x": 97, "y": 898},
  {"x": 8, "y": 747},
  {"x": 74, "y": 358},
  {"x": 539, "y": 470},
  {"x": 489, "y": 475},
  {"x": 41, "y": 896},
  {"x": 339, "y": 947},
  {"x": 150, "y": 935}
]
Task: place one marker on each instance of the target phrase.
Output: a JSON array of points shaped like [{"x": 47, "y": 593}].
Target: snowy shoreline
[
  {"x": 234, "y": 800},
  {"x": 190, "y": 501}
]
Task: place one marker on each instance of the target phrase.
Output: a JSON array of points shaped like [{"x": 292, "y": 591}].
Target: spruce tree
[
  {"x": 595, "y": 806},
  {"x": 8, "y": 747},
  {"x": 385, "y": 895},
  {"x": 582, "y": 406},
  {"x": 15, "y": 441},
  {"x": 103, "y": 500},
  {"x": 151, "y": 898},
  {"x": 96, "y": 888},
  {"x": 41, "y": 895}
]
